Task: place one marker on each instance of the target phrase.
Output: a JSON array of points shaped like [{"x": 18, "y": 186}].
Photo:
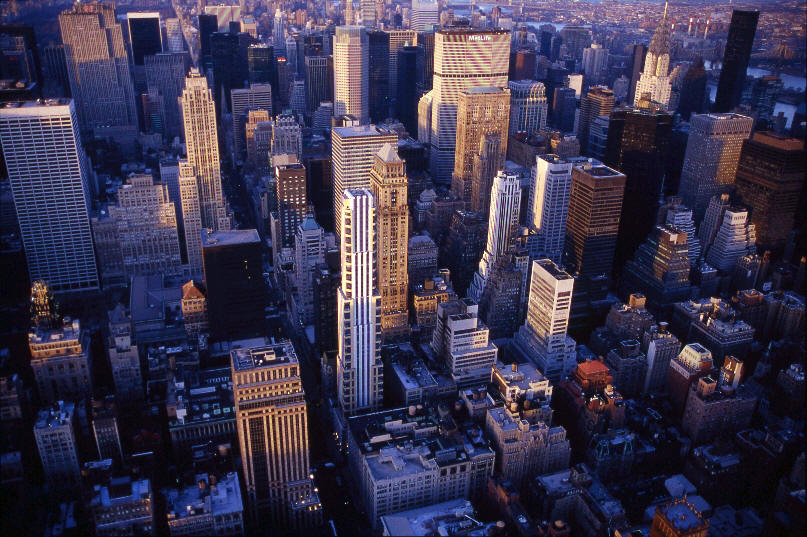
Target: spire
[{"x": 660, "y": 43}]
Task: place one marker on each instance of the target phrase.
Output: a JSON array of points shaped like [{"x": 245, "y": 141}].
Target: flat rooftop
[
  {"x": 258, "y": 357},
  {"x": 229, "y": 238},
  {"x": 550, "y": 266},
  {"x": 361, "y": 130}
]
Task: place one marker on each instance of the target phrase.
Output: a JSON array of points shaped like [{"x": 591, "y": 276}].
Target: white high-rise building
[
  {"x": 309, "y": 251},
  {"x": 48, "y": 172},
  {"x": 353, "y": 151},
  {"x": 712, "y": 220},
  {"x": 673, "y": 213},
  {"x": 712, "y": 155},
  {"x": 528, "y": 106},
  {"x": 173, "y": 32},
  {"x": 549, "y": 205},
  {"x": 359, "y": 367},
  {"x": 505, "y": 204},
  {"x": 191, "y": 216},
  {"x": 279, "y": 32},
  {"x": 595, "y": 62},
  {"x": 463, "y": 59},
  {"x": 351, "y": 60},
  {"x": 735, "y": 238},
  {"x": 543, "y": 337},
  {"x": 425, "y": 117},
  {"x": 425, "y": 15},
  {"x": 202, "y": 143},
  {"x": 256, "y": 96},
  {"x": 654, "y": 79},
  {"x": 368, "y": 15}
]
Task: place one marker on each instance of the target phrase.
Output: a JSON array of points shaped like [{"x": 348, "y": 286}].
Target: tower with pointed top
[
  {"x": 388, "y": 183},
  {"x": 655, "y": 79}
]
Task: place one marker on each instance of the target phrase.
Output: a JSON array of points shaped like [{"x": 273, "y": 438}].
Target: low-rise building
[
  {"x": 716, "y": 407},
  {"x": 123, "y": 506},
  {"x": 411, "y": 383},
  {"x": 461, "y": 341},
  {"x": 210, "y": 506},
  {"x": 454, "y": 517}
]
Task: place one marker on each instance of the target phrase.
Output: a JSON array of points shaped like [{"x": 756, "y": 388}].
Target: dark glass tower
[
  {"x": 208, "y": 25},
  {"x": 735, "y": 59},
  {"x": 262, "y": 67},
  {"x": 639, "y": 52},
  {"x": 379, "y": 75},
  {"x": 407, "y": 98},
  {"x": 693, "y": 91},
  {"x": 144, "y": 36},
  {"x": 638, "y": 142}
]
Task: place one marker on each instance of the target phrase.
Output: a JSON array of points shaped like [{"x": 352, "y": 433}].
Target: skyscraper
[
  {"x": 406, "y": 100},
  {"x": 528, "y": 106},
  {"x": 564, "y": 108},
  {"x": 655, "y": 79},
  {"x": 47, "y": 169},
  {"x": 272, "y": 424},
  {"x": 463, "y": 247},
  {"x": 398, "y": 39},
  {"x": 388, "y": 183},
  {"x": 425, "y": 15},
  {"x": 353, "y": 151},
  {"x": 145, "y": 37},
  {"x": 368, "y": 17},
  {"x": 208, "y": 25},
  {"x": 543, "y": 337},
  {"x": 480, "y": 111},
  {"x": 463, "y": 59},
  {"x": 548, "y": 205},
  {"x": 598, "y": 101},
  {"x": 191, "y": 216},
  {"x": 256, "y": 96},
  {"x": 739, "y": 43},
  {"x": 638, "y": 56},
  {"x": 692, "y": 98},
  {"x": 175, "y": 41},
  {"x": 55, "y": 433},
  {"x": 201, "y": 139},
  {"x": 291, "y": 196},
  {"x": 638, "y": 143},
  {"x": 711, "y": 158},
  {"x": 351, "y": 73},
  {"x": 735, "y": 238},
  {"x": 770, "y": 177},
  {"x": 595, "y": 203},
  {"x": 98, "y": 70},
  {"x": 309, "y": 252},
  {"x": 235, "y": 292},
  {"x": 317, "y": 85},
  {"x": 166, "y": 71},
  {"x": 379, "y": 75},
  {"x": 359, "y": 368},
  {"x": 505, "y": 203}
]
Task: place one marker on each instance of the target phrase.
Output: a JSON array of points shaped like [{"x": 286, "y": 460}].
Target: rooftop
[
  {"x": 55, "y": 416},
  {"x": 207, "y": 496},
  {"x": 454, "y": 517},
  {"x": 229, "y": 238},
  {"x": 247, "y": 358},
  {"x": 361, "y": 130},
  {"x": 683, "y": 515}
]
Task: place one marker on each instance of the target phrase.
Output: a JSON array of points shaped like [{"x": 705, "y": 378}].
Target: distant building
[
  {"x": 194, "y": 309},
  {"x": 654, "y": 79},
  {"x": 123, "y": 506},
  {"x": 210, "y": 506},
  {"x": 736, "y": 55}
]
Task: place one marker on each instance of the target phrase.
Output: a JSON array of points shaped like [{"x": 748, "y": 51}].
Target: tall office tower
[
  {"x": 360, "y": 371},
  {"x": 201, "y": 140},
  {"x": 270, "y": 412},
  {"x": 367, "y": 13},
  {"x": 638, "y": 57},
  {"x": 124, "y": 359},
  {"x": 175, "y": 41},
  {"x": 56, "y": 68},
  {"x": 710, "y": 162},
  {"x": 353, "y": 151},
  {"x": 425, "y": 15},
  {"x": 564, "y": 109},
  {"x": 55, "y": 435},
  {"x": 379, "y": 75},
  {"x": 262, "y": 66},
  {"x": 463, "y": 248},
  {"x": 595, "y": 203},
  {"x": 291, "y": 55},
  {"x": 661, "y": 347},
  {"x": 208, "y": 25},
  {"x": 145, "y": 39},
  {"x": 770, "y": 176},
  {"x": 543, "y": 337},
  {"x": 191, "y": 216},
  {"x": 692, "y": 97},
  {"x": 425, "y": 61},
  {"x": 47, "y": 169},
  {"x": 735, "y": 238},
  {"x": 351, "y": 73},
  {"x": 60, "y": 350},
  {"x": 258, "y": 140},
  {"x": 98, "y": 69},
  {"x": 316, "y": 82},
  {"x": 598, "y": 137},
  {"x": 655, "y": 79},
  {"x": 638, "y": 143},
  {"x": 505, "y": 203},
  {"x": 659, "y": 270},
  {"x": 398, "y": 39},
  {"x": 528, "y": 106},
  {"x": 279, "y": 33},
  {"x": 548, "y": 205},
  {"x": 229, "y": 59},
  {"x": 256, "y": 96},
  {"x": 309, "y": 252},
  {"x": 20, "y": 63},
  {"x": 523, "y": 65},
  {"x": 673, "y": 213},
  {"x": 464, "y": 58},
  {"x": 425, "y": 117},
  {"x": 291, "y": 196},
  {"x": 599, "y": 101},
  {"x": 481, "y": 112},
  {"x": 712, "y": 220},
  {"x": 595, "y": 62},
  {"x": 501, "y": 303},
  {"x": 235, "y": 292},
  {"x": 287, "y": 137},
  {"x": 388, "y": 183},
  {"x": 737, "y": 53},
  {"x": 143, "y": 223},
  {"x": 406, "y": 100}
]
